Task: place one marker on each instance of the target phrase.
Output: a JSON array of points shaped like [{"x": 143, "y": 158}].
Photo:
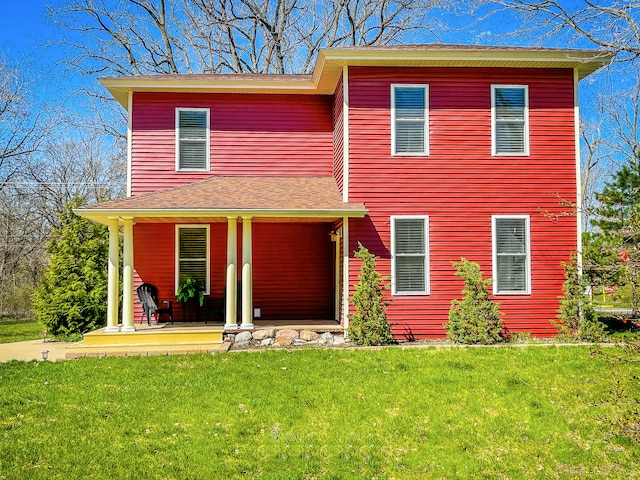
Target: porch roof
[{"x": 224, "y": 196}]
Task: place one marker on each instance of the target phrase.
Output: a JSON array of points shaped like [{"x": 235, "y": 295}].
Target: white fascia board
[{"x": 103, "y": 215}]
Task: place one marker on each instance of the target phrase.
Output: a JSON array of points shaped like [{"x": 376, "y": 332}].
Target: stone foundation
[{"x": 287, "y": 337}]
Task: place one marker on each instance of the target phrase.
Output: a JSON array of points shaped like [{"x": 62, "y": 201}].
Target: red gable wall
[
  {"x": 460, "y": 185},
  {"x": 250, "y": 135}
]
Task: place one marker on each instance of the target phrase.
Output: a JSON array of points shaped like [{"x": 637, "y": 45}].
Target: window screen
[
  {"x": 193, "y": 139},
  {"x": 511, "y": 255},
  {"x": 410, "y": 119},
  {"x": 410, "y": 255},
  {"x": 192, "y": 255},
  {"x": 510, "y": 105}
]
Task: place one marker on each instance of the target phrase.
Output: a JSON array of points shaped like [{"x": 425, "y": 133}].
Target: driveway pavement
[{"x": 32, "y": 350}]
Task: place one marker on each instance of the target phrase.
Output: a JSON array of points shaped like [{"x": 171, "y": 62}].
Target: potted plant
[{"x": 190, "y": 288}]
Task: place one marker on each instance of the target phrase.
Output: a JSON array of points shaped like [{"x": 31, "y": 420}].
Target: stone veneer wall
[{"x": 267, "y": 337}]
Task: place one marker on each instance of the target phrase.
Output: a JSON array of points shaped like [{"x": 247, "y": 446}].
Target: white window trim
[
  {"x": 526, "y": 121},
  {"x": 207, "y": 167},
  {"x": 494, "y": 255},
  {"x": 177, "y": 253},
  {"x": 427, "y": 253},
  {"x": 426, "y": 120}
]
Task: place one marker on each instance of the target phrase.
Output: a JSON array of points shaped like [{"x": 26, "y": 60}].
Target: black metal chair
[{"x": 148, "y": 296}]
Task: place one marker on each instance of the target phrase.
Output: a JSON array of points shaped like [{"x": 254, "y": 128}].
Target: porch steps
[
  {"x": 157, "y": 335},
  {"x": 149, "y": 341}
]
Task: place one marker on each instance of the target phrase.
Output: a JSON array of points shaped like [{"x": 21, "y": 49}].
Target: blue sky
[
  {"x": 26, "y": 36},
  {"x": 23, "y": 26}
]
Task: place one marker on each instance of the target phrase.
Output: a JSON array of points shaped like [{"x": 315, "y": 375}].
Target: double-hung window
[
  {"x": 410, "y": 255},
  {"x": 510, "y": 119},
  {"x": 409, "y": 119},
  {"x": 192, "y": 254},
  {"x": 192, "y": 139},
  {"x": 511, "y": 255}
]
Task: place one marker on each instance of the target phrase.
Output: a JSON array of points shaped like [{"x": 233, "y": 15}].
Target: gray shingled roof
[{"x": 310, "y": 193}]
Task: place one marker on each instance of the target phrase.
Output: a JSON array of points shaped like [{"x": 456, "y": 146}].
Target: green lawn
[
  {"x": 19, "y": 329},
  {"x": 538, "y": 412}
]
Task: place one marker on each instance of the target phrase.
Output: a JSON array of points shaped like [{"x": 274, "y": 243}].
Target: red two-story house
[{"x": 262, "y": 186}]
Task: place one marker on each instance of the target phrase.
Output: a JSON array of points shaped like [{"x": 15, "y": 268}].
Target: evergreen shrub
[
  {"x": 476, "y": 319},
  {"x": 576, "y": 316},
  {"x": 72, "y": 296},
  {"x": 369, "y": 325}
]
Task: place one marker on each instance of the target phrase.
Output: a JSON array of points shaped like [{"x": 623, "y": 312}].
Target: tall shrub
[
  {"x": 72, "y": 295},
  {"x": 369, "y": 325},
  {"x": 576, "y": 317},
  {"x": 476, "y": 318}
]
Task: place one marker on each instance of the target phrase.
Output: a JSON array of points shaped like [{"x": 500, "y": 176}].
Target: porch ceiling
[{"x": 219, "y": 197}]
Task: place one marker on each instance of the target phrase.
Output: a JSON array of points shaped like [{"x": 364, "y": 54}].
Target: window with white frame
[
  {"x": 192, "y": 254},
  {"x": 410, "y": 255},
  {"x": 410, "y": 119},
  {"x": 510, "y": 119},
  {"x": 511, "y": 255},
  {"x": 192, "y": 139}
]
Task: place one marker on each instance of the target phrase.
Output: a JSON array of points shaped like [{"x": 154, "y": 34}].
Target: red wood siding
[
  {"x": 460, "y": 185},
  {"x": 154, "y": 260},
  {"x": 251, "y": 134},
  {"x": 293, "y": 271},
  {"x": 292, "y": 267},
  {"x": 338, "y": 135}
]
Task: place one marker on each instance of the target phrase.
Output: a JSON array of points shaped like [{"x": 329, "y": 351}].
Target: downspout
[
  {"x": 345, "y": 198},
  {"x": 576, "y": 120},
  {"x": 345, "y": 134},
  {"x": 129, "y": 140}
]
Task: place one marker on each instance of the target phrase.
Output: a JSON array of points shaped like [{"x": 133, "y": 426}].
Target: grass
[
  {"x": 19, "y": 329},
  {"x": 537, "y": 412}
]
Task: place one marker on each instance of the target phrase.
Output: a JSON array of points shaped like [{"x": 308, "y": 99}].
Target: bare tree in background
[
  {"x": 69, "y": 163},
  {"x": 43, "y": 164},
  {"x": 237, "y": 36},
  {"x": 612, "y": 25},
  {"x": 20, "y": 129}
]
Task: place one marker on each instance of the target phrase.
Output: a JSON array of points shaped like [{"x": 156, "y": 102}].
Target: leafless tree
[
  {"x": 613, "y": 25},
  {"x": 20, "y": 129},
  {"x": 68, "y": 162},
  {"x": 240, "y": 36}
]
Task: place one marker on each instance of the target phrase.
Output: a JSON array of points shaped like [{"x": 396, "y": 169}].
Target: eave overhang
[
  {"x": 105, "y": 216},
  {"x": 330, "y": 61}
]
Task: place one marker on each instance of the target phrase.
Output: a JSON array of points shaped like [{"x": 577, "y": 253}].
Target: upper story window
[
  {"x": 511, "y": 255},
  {"x": 410, "y": 255},
  {"x": 510, "y": 119},
  {"x": 192, "y": 139},
  {"x": 192, "y": 255},
  {"x": 409, "y": 119}
]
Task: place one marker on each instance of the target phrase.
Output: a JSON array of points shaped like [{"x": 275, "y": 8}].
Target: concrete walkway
[{"x": 32, "y": 350}]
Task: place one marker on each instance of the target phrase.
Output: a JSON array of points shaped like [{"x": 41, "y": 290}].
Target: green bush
[
  {"x": 369, "y": 325},
  {"x": 576, "y": 316},
  {"x": 72, "y": 295},
  {"x": 475, "y": 318}
]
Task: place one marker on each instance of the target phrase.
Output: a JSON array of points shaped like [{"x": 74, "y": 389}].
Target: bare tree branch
[
  {"x": 612, "y": 25},
  {"x": 242, "y": 36}
]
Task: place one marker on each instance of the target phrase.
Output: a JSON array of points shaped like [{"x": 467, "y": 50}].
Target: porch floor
[{"x": 178, "y": 338}]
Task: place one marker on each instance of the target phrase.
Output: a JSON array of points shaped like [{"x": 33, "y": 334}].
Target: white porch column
[
  {"x": 247, "y": 286},
  {"x": 345, "y": 274},
  {"x": 231, "y": 322},
  {"x": 113, "y": 275},
  {"x": 337, "y": 297},
  {"x": 127, "y": 276}
]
